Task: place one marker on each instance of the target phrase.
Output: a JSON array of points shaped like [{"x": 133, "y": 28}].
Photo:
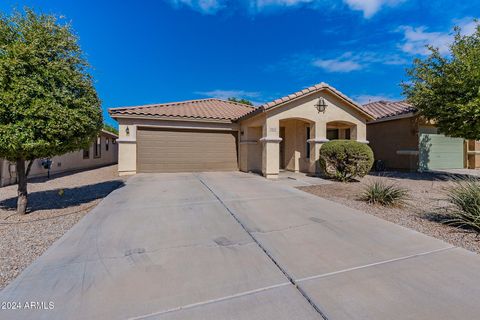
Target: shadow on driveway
[{"x": 64, "y": 198}]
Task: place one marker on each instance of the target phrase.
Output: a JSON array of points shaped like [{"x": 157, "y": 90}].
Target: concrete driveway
[{"x": 237, "y": 246}]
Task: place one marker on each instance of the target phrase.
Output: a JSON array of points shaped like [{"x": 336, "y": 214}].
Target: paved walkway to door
[{"x": 237, "y": 246}]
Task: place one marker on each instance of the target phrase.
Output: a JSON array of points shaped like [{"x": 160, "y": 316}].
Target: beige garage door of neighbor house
[{"x": 166, "y": 150}]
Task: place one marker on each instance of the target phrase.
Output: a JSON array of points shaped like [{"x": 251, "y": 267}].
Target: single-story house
[
  {"x": 217, "y": 135},
  {"x": 401, "y": 139},
  {"x": 102, "y": 152}
]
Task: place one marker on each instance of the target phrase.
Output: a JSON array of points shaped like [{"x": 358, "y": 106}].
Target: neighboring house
[
  {"x": 217, "y": 135},
  {"x": 103, "y": 151},
  {"x": 403, "y": 140}
]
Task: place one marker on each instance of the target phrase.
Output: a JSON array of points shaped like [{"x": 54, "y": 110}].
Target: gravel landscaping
[
  {"x": 423, "y": 211},
  {"x": 55, "y": 206}
]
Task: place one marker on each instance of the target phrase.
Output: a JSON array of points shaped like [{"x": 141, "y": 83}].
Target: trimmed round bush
[{"x": 345, "y": 160}]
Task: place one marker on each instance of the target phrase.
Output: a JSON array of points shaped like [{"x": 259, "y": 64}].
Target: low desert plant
[
  {"x": 345, "y": 160},
  {"x": 380, "y": 192},
  {"x": 464, "y": 199}
]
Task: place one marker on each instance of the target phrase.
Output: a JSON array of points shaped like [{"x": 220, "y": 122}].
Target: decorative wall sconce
[
  {"x": 127, "y": 131},
  {"x": 321, "y": 105}
]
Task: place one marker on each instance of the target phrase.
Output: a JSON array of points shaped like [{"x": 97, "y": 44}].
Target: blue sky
[{"x": 154, "y": 51}]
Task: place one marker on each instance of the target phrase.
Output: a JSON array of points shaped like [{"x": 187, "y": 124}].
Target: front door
[{"x": 282, "y": 148}]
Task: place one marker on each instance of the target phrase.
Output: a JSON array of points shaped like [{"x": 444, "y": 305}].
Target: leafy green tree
[
  {"x": 110, "y": 128},
  {"x": 48, "y": 104},
  {"x": 446, "y": 89},
  {"x": 243, "y": 101}
]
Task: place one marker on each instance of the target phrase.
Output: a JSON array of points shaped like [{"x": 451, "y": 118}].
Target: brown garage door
[{"x": 166, "y": 150}]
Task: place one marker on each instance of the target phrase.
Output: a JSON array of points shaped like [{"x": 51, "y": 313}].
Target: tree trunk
[
  {"x": 22, "y": 187},
  {"x": 29, "y": 166}
]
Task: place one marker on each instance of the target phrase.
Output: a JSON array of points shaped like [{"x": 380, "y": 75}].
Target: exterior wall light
[
  {"x": 321, "y": 105},
  {"x": 127, "y": 131}
]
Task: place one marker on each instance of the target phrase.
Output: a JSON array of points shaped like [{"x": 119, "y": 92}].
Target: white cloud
[
  {"x": 350, "y": 61},
  {"x": 371, "y": 7},
  {"x": 417, "y": 39},
  {"x": 368, "y": 7},
  {"x": 213, "y": 6},
  {"x": 203, "y": 6},
  {"x": 366, "y": 98},
  {"x": 283, "y": 3},
  {"x": 344, "y": 63},
  {"x": 225, "y": 94},
  {"x": 393, "y": 60},
  {"x": 468, "y": 25},
  {"x": 279, "y": 3}
]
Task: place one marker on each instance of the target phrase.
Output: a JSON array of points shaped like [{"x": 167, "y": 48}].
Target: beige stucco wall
[
  {"x": 250, "y": 155},
  {"x": 127, "y": 144},
  {"x": 259, "y": 140},
  {"x": 294, "y": 116},
  {"x": 295, "y": 144},
  {"x": 473, "y": 154},
  {"x": 337, "y": 110},
  {"x": 64, "y": 163},
  {"x": 395, "y": 142}
]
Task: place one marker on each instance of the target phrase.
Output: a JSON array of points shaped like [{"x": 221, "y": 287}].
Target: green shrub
[
  {"x": 345, "y": 159},
  {"x": 380, "y": 192},
  {"x": 464, "y": 198}
]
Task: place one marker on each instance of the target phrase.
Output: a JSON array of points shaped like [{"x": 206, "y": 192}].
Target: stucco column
[
  {"x": 271, "y": 149},
  {"x": 319, "y": 138},
  {"x": 127, "y": 148},
  {"x": 359, "y": 133},
  {"x": 243, "y": 149}
]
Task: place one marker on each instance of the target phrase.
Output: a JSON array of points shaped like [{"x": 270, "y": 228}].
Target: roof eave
[
  {"x": 251, "y": 114},
  {"x": 395, "y": 117},
  {"x": 354, "y": 105},
  {"x": 114, "y": 135},
  {"x": 157, "y": 117}
]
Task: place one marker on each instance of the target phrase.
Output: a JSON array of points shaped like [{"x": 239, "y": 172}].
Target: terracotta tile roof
[
  {"x": 315, "y": 88},
  {"x": 196, "y": 109},
  {"x": 224, "y": 110},
  {"x": 385, "y": 109}
]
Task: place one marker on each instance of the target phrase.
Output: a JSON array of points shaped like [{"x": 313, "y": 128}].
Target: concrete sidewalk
[{"x": 229, "y": 246}]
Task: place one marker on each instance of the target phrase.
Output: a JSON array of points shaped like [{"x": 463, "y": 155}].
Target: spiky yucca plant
[
  {"x": 385, "y": 194},
  {"x": 464, "y": 199}
]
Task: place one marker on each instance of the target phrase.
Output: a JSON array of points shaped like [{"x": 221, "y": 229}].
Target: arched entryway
[
  {"x": 341, "y": 130},
  {"x": 295, "y": 151}
]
